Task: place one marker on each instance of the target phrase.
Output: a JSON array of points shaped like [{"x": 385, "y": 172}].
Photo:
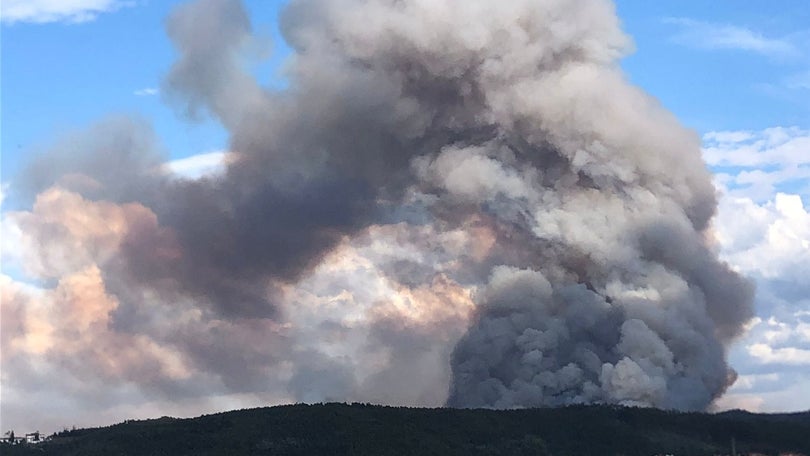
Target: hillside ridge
[{"x": 362, "y": 429}]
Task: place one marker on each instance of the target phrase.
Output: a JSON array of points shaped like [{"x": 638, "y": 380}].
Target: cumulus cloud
[
  {"x": 787, "y": 355},
  {"x": 757, "y": 164},
  {"x": 763, "y": 230},
  {"x": 41, "y": 11},
  {"x": 772, "y": 146},
  {"x": 775, "y": 241}
]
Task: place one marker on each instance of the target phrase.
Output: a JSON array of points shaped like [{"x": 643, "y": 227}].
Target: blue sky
[
  {"x": 738, "y": 73},
  {"x": 721, "y": 65}
]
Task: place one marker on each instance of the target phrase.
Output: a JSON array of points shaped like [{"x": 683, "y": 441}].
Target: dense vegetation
[{"x": 338, "y": 429}]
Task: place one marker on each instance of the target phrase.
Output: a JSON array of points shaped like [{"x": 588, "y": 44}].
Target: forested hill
[{"x": 339, "y": 429}]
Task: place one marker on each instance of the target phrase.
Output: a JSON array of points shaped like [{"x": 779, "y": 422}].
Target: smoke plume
[{"x": 452, "y": 202}]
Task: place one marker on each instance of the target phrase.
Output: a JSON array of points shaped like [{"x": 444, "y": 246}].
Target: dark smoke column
[
  {"x": 604, "y": 286},
  {"x": 462, "y": 145},
  {"x": 601, "y": 284}
]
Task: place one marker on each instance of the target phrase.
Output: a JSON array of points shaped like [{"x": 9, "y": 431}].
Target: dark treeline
[{"x": 357, "y": 429}]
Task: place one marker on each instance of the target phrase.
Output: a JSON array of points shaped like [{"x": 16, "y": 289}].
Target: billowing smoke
[{"x": 477, "y": 151}]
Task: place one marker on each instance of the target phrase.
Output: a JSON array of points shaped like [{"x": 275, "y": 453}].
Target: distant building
[{"x": 33, "y": 437}]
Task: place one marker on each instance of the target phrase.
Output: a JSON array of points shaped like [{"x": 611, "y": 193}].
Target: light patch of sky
[{"x": 799, "y": 80}]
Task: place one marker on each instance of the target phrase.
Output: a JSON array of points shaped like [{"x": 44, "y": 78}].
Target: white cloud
[
  {"x": 766, "y": 185},
  {"x": 763, "y": 230},
  {"x": 773, "y": 146},
  {"x": 3, "y": 193},
  {"x": 710, "y": 36},
  {"x": 728, "y": 137},
  {"x": 197, "y": 166},
  {"x": 759, "y": 164},
  {"x": 771, "y": 240},
  {"x": 147, "y": 91},
  {"x": 42, "y": 11},
  {"x": 778, "y": 397},
  {"x": 747, "y": 382},
  {"x": 780, "y": 332},
  {"x": 787, "y": 355}
]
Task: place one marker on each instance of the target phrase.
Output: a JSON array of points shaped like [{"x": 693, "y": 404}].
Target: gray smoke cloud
[{"x": 583, "y": 206}]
